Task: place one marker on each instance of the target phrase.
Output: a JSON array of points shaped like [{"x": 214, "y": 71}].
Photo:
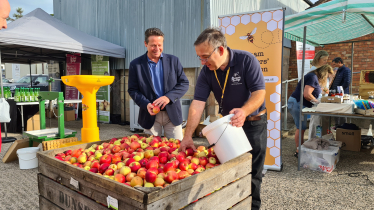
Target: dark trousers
[{"x": 256, "y": 132}]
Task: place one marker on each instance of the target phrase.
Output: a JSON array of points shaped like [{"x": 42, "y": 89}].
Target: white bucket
[
  {"x": 27, "y": 157},
  {"x": 230, "y": 141}
]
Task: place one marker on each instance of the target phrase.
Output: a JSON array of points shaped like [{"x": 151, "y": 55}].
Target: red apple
[
  {"x": 171, "y": 176},
  {"x": 203, "y": 161},
  {"x": 209, "y": 165},
  {"x": 192, "y": 166},
  {"x": 106, "y": 159},
  {"x": 161, "y": 175},
  {"x": 154, "y": 143},
  {"x": 124, "y": 146},
  {"x": 180, "y": 158},
  {"x": 190, "y": 171},
  {"x": 107, "y": 151},
  {"x": 183, "y": 174},
  {"x": 169, "y": 167},
  {"x": 148, "y": 154},
  {"x": 129, "y": 161},
  {"x": 112, "y": 140},
  {"x": 159, "y": 182},
  {"x": 68, "y": 152},
  {"x": 120, "y": 178},
  {"x": 141, "y": 172},
  {"x": 116, "y": 149},
  {"x": 62, "y": 155},
  {"x": 109, "y": 172},
  {"x": 150, "y": 177},
  {"x": 143, "y": 162},
  {"x": 156, "y": 109},
  {"x": 152, "y": 164},
  {"x": 76, "y": 153},
  {"x": 59, "y": 157},
  {"x": 163, "y": 160},
  {"x": 171, "y": 156},
  {"x": 155, "y": 158},
  {"x": 189, "y": 152},
  {"x": 135, "y": 166},
  {"x": 201, "y": 148},
  {"x": 103, "y": 167},
  {"x": 116, "y": 159},
  {"x": 156, "y": 152},
  {"x": 94, "y": 170},
  {"x": 130, "y": 176},
  {"x": 164, "y": 149},
  {"x": 183, "y": 166},
  {"x": 135, "y": 145},
  {"x": 153, "y": 170},
  {"x": 160, "y": 170}
]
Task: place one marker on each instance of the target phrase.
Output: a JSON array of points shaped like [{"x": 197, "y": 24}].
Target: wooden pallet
[
  {"x": 55, "y": 144},
  {"x": 54, "y": 184}
]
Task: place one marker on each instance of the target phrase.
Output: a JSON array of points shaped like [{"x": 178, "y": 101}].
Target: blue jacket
[
  {"x": 142, "y": 91},
  {"x": 342, "y": 78}
]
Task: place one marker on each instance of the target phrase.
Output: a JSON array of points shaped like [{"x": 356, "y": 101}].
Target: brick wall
[{"x": 363, "y": 58}]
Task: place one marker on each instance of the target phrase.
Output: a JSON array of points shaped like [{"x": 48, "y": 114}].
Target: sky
[
  {"x": 30, "y": 5},
  {"x": 313, "y": 1}
]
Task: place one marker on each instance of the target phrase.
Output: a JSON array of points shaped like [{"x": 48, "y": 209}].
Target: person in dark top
[
  {"x": 342, "y": 77},
  {"x": 237, "y": 82},
  {"x": 313, "y": 81}
]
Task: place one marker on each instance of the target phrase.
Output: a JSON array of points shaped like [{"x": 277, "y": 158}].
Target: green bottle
[
  {"x": 16, "y": 97},
  {"x": 5, "y": 92},
  {"x": 27, "y": 95},
  {"x": 32, "y": 99}
]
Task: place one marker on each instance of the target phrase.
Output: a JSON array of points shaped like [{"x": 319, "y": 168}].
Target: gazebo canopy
[{"x": 332, "y": 22}]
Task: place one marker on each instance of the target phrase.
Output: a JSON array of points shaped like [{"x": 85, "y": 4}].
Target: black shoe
[{"x": 296, "y": 154}]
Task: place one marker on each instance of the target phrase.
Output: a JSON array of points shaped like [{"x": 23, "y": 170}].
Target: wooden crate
[
  {"x": 54, "y": 187},
  {"x": 54, "y": 144}
]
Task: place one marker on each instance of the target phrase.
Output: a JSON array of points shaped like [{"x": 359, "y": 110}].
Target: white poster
[
  {"x": 309, "y": 55},
  {"x": 16, "y": 72}
]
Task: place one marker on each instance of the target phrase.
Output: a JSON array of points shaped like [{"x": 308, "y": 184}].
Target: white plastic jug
[
  {"x": 27, "y": 157},
  {"x": 230, "y": 141}
]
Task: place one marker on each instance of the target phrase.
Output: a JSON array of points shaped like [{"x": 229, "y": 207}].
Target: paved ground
[{"x": 288, "y": 189}]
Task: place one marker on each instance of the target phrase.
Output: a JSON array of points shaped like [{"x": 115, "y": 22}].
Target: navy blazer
[
  {"x": 142, "y": 91},
  {"x": 342, "y": 78}
]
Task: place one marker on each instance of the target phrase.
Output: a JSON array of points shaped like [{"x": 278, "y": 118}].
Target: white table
[{"x": 46, "y": 101}]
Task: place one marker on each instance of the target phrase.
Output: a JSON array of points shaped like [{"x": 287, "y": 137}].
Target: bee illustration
[
  {"x": 84, "y": 107},
  {"x": 249, "y": 36}
]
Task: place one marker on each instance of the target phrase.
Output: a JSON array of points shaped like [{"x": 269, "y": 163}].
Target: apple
[
  {"x": 129, "y": 150},
  {"x": 124, "y": 146},
  {"x": 143, "y": 145},
  {"x": 203, "y": 161},
  {"x": 195, "y": 160},
  {"x": 59, "y": 157},
  {"x": 188, "y": 160},
  {"x": 190, "y": 171},
  {"x": 106, "y": 159},
  {"x": 171, "y": 176},
  {"x": 164, "y": 149},
  {"x": 148, "y": 185},
  {"x": 163, "y": 160},
  {"x": 143, "y": 162},
  {"x": 152, "y": 164},
  {"x": 200, "y": 169},
  {"x": 125, "y": 170},
  {"x": 136, "y": 181},
  {"x": 130, "y": 176},
  {"x": 156, "y": 109},
  {"x": 73, "y": 160},
  {"x": 160, "y": 170},
  {"x": 202, "y": 154},
  {"x": 116, "y": 149},
  {"x": 183, "y": 174},
  {"x": 162, "y": 144},
  {"x": 209, "y": 165},
  {"x": 109, "y": 172},
  {"x": 129, "y": 161},
  {"x": 155, "y": 158},
  {"x": 107, "y": 151},
  {"x": 118, "y": 142},
  {"x": 94, "y": 170},
  {"x": 180, "y": 158},
  {"x": 113, "y": 166},
  {"x": 154, "y": 143},
  {"x": 148, "y": 154},
  {"x": 120, "y": 178},
  {"x": 116, "y": 159},
  {"x": 99, "y": 147},
  {"x": 125, "y": 155},
  {"x": 137, "y": 158},
  {"x": 189, "y": 152},
  {"x": 161, "y": 175},
  {"x": 89, "y": 153},
  {"x": 91, "y": 158},
  {"x": 183, "y": 165},
  {"x": 98, "y": 156},
  {"x": 212, "y": 160},
  {"x": 76, "y": 153},
  {"x": 135, "y": 166},
  {"x": 112, "y": 140},
  {"x": 120, "y": 165},
  {"x": 62, "y": 155},
  {"x": 95, "y": 165},
  {"x": 105, "y": 145},
  {"x": 103, "y": 167},
  {"x": 141, "y": 172},
  {"x": 171, "y": 156},
  {"x": 135, "y": 145},
  {"x": 87, "y": 163},
  {"x": 169, "y": 167},
  {"x": 192, "y": 166},
  {"x": 68, "y": 152},
  {"x": 150, "y": 177}
]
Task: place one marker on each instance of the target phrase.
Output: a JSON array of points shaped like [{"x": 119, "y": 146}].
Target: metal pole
[
  {"x": 30, "y": 73},
  {"x": 301, "y": 99},
  {"x": 353, "y": 46}
]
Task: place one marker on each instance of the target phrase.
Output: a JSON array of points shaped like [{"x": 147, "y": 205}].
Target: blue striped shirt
[{"x": 157, "y": 74}]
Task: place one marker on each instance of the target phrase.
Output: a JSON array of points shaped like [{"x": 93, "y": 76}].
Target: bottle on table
[
  {"x": 32, "y": 95},
  {"x": 16, "y": 95},
  {"x": 319, "y": 131},
  {"x": 27, "y": 95}
]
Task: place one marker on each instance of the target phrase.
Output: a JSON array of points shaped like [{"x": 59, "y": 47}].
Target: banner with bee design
[
  {"x": 100, "y": 66},
  {"x": 261, "y": 33}
]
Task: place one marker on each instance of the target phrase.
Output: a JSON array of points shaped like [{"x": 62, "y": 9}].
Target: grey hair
[{"x": 214, "y": 36}]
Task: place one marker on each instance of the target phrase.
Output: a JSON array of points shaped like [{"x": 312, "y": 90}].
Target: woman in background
[{"x": 313, "y": 81}]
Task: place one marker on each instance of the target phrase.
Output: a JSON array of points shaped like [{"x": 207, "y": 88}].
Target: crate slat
[
  {"x": 45, "y": 204},
  {"x": 225, "y": 197},
  {"x": 64, "y": 197},
  {"x": 244, "y": 204},
  {"x": 90, "y": 189}
]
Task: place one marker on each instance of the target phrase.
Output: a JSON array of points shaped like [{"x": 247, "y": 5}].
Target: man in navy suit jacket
[{"x": 158, "y": 79}]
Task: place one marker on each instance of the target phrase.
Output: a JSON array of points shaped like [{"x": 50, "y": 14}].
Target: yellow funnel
[{"x": 88, "y": 85}]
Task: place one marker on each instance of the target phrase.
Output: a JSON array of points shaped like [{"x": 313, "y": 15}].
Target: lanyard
[{"x": 224, "y": 86}]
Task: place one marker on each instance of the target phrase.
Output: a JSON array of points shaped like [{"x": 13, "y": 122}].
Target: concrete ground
[{"x": 287, "y": 189}]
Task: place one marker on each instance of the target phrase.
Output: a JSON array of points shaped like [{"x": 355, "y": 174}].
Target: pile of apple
[{"x": 138, "y": 161}]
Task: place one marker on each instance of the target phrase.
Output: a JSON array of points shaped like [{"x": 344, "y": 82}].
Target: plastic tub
[
  {"x": 229, "y": 141},
  {"x": 27, "y": 157}
]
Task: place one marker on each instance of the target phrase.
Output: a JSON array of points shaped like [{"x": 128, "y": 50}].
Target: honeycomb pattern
[{"x": 274, "y": 20}]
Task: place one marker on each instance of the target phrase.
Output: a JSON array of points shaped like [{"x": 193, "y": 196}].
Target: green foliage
[{"x": 16, "y": 15}]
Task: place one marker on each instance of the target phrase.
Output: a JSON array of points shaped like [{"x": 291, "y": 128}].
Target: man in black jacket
[{"x": 342, "y": 76}]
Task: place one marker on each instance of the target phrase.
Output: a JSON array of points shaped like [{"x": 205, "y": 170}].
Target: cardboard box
[
  {"x": 320, "y": 160},
  {"x": 330, "y": 99},
  {"x": 33, "y": 123},
  {"x": 351, "y": 139},
  {"x": 69, "y": 115},
  {"x": 198, "y": 131}
]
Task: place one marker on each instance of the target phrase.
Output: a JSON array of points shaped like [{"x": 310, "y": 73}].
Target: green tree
[{"x": 16, "y": 15}]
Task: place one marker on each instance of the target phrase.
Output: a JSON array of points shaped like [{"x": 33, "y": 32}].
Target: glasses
[{"x": 206, "y": 59}]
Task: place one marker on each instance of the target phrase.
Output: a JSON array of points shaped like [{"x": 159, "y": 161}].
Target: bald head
[{"x": 4, "y": 13}]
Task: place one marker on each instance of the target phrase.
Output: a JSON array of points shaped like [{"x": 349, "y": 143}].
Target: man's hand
[
  {"x": 161, "y": 102},
  {"x": 239, "y": 117},
  {"x": 187, "y": 142},
  {"x": 150, "y": 109}
]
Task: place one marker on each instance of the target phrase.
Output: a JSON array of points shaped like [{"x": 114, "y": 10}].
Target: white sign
[
  {"x": 16, "y": 72},
  {"x": 309, "y": 56}
]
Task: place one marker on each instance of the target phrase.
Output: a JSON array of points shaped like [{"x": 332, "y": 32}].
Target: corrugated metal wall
[{"x": 123, "y": 22}]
